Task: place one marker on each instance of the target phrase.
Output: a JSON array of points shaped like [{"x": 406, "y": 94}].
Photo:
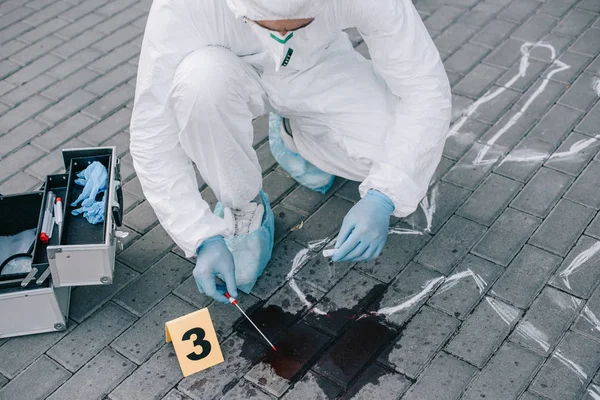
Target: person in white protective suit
[{"x": 209, "y": 67}]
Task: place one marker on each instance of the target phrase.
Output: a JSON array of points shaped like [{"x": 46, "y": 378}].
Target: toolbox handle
[{"x": 117, "y": 202}]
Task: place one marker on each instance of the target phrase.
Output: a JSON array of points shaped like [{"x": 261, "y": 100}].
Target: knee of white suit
[{"x": 203, "y": 81}]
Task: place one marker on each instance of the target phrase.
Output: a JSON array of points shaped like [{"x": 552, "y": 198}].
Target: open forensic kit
[{"x": 56, "y": 238}]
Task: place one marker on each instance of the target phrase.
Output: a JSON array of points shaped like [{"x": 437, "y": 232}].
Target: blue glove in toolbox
[{"x": 38, "y": 268}]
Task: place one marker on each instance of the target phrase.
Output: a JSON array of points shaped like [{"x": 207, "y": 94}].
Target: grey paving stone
[
  {"x": 115, "y": 57},
  {"x": 525, "y": 159},
  {"x": 34, "y": 69},
  {"x": 559, "y": 232},
  {"x": 276, "y": 185},
  {"x": 592, "y": 391},
  {"x": 558, "y": 8},
  {"x": 278, "y": 267},
  {"x": 491, "y": 111},
  {"x": 594, "y": 228},
  {"x": 443, "y": 17},
  {"x": 587, "y": 322},
  {"x": 453, "y": 37},
  {"x": 110, "y": 102},
  {"x": 466, "y": 286},
  {"x": 18, "y": 160},
  {"x": 154, "y": 284},
  {"x": 77, "y": 43},
  {"x": 53, "y": 162},
  {"x": 476, "y": 82},
  {"x": 578, "y": 273},
  {"x": 69, "y": 84},
  {"x": 525, "y": 276},
  {"x": 377, "y": 383},
  {"x": 20, "y": 136},
  {"x": 265, "y": 158},
  {"x": 27, "y": 90},
  {"x": 46, "y": 13},
  {"x": 73, "y": 63},
  {"x": 544, "y": 101},
  {"x": 40, "y": 31},
  {"x": 506, "y": 376},
  {"x": 579, "y": 96},
  {"x": 480, "y": 14},
  {"x": 458, "y": 144},
  {"x": 239, "y": 353},
  {"x": 542, "y": 192},
  {"x": 22, "y": 113},
  {"x": 484, "y": 331},
  {"x": 146, "y": 251},
  {"x": 518, "y": 11},
  {"x": 151, "y": 380},
  {"x": 85, "y": 300},
  {"x": 466, "y": 57},
  {"x": 538, "y": 25},
  {"x": 504, "y": 55},
  {"x": 147, "y": 334},
  {"x": 451, "y": 244},
  {"x": 590, "y": 122},
  {"x": 546, "y": 321},
  {"x": 490, "y": 199},
  {"x": 67, "y": 106},
  {"x": 19, "y": 352},
  {"x": 555, "y": 125},
  {"x": 120, "y": 141},
  {"x": 7, "y": 67},
  {"x": 142, "y": 218},
  {"x": 577, "y": 63},
  {"x": 408, "y": 292},
  {"x": 526, "y": 79},
  {"x": 64, "y": 131},
  {"x": 189, "y": 292},
  {"x": 89, "y": 338},
  {"x": 175, "y": 395},
  {"x": 442, "y": 169},
  {"x": 322, "y": 273},
  {"x": 444, "y": 379},
  {"x": 586, "y": 188},
  {"x": 245, "y": 390},
  {"x": 125, "y": 17},
  {"x": 349, "y": 296},
  {"x": 46, "y": 375},
  {"x": 78, "y": 26},
  {"x": 588, "y": 43},
  {"x": 590, "y": 5},
  {"x": 506, "y": 236},
  {"x": 594, "y": 67},
  {"x": 559, "y": 378},
  {"x": 306, "y": 200},
  {"x": 112, "y": 79},
  {"x": 575, "y": 22},
  {"x": 460, "y": 105},
  {"x": 313, "y": 387},
  {"x": 19, "y": 183},
  {"x": 507, "y": 132},
  {"x": 397, "y": 253},
  {"x": 31, "y": 52},
  {"x": 286, "y": 220},
  {"x": 109, "y": 366},
  {"x": 3, "y": 381},
  {"x": 421, "y": 338},
  {"x": 469, "y": 175},
  {"x": 323, "y": 223}
]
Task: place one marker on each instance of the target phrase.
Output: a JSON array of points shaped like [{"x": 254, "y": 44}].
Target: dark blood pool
[
  {"x": 271, "y": 320},
  {"x": 357, "y": 346},
  {"x": 296, "y": 349}
]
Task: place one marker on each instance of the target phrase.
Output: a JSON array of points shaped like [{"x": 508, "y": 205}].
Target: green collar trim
[{"x": 282, "y": 41}]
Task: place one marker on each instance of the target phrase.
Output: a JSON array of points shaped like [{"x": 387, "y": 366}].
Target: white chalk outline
[
  {"x": 577, "y": 262},
  {"x": 571, "y": 365},
  {"x": 526, "y": 49},
  {"x": 594, "y": 391}
]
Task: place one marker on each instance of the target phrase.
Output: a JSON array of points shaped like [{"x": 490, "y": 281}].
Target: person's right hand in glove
[{"x": 214, "y": 258}]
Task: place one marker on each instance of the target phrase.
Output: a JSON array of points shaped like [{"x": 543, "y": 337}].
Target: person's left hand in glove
[{"x": 365, "y": 228}]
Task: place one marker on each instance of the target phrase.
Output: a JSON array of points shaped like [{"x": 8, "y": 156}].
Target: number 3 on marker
[{"x": 199, "y": 341}]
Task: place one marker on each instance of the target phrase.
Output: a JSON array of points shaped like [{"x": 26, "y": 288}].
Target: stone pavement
[{"x": 490, "y": 290}]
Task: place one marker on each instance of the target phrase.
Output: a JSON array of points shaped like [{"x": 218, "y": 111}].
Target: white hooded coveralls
[{"x": 205, "y": 74}]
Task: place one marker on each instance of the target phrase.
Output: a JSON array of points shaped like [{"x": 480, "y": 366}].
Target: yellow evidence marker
[{"x": 195, "y": 342}]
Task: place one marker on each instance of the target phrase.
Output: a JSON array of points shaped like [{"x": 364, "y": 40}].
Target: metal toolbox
[
  {"x": 84, "y": 253},
  {"x": 33, "y": 308}
]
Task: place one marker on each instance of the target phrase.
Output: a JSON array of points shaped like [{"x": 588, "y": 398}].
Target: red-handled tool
[{"x": 234, "y": 302}]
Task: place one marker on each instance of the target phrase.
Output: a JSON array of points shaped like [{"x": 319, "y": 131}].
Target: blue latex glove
[
  {"x": 94, "y": 180},
  {"x": 214, "y": 258},
  {"x": 365, "y": 228},
  {"x": 95, "y": 213}
]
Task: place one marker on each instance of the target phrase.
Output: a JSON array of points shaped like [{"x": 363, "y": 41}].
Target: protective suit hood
[{"x": 271, "y": 10}]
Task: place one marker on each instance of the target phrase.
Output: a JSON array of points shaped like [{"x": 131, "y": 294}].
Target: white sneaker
[{"x": 245, "y": 220}]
